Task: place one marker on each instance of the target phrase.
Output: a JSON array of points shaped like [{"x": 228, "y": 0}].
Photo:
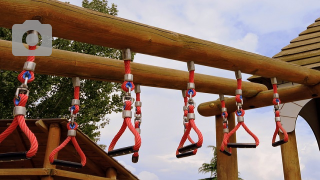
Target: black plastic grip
[
  {"x": 135, "y": 159},
  {"x": 66, "y": 163},
  {"x": 226, "y": 152},
  {"x": 121, "y": 151},
  {"x": 242, "y": 145},
  {"x": 13, "y": 156},
  {"x": 278, "y": 143},
  {"x": 185, "y": 154},
  {"x": 188, "y": 148}
]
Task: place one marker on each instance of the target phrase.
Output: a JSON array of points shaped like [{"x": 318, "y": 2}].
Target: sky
[{"x": 262, "y": 27}]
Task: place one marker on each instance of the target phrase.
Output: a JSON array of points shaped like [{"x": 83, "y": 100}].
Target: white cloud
[
  {"x": 129, "y": 167},
  {"x": 145, "y": 175}
]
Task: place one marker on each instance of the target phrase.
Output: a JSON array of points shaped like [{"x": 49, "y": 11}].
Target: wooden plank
[
  {"x": 52, "y": 143},
  {"x": 307, "y": 61},
  {"x": 287, "y": 94},
  {"x": 315, "y": 24},
  {"x": 298, "y": 50},
  {"x": 70, "y": 64},
  {"x": 315, "y": 65},
  {"x": 317, "y": 19},
  {"x": 111, "y": 173},
  {"x": 290, "y": 158},
  {"x": 302, "y": 43},
  {"x": 305, "y": 37},
  {"x": 227, "y": 166},
  {"x": 74, "y": 175},
  {"x": 90, "y": 164},
  {"x": 300, "y": 56},
  {"x": 80, "y": 24},
  {"x": 310, "y": 30},
  {"x": 25, "y": 172}
]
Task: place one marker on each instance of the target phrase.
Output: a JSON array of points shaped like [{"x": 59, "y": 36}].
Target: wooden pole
[
  {"x": 52, "y": 143},
  {"x": 227, "y": 166},
  {"x": 80, "y": 24},
  {"x": 264, "y": 98},
  {"x": 111, "y": 173},
  {"x": 290, "y": 158},
  {"x": 70, "y": 64}
]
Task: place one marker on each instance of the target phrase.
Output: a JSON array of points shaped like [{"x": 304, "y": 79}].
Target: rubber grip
[
  {"x": 13, "y": 156},
  {"x": 67, "y": 163},
  {"x": 121, "y": 151},
  {"x": 184, "y": 155},
  {"x": 226, "y": 152},
  {"x": 242, "y": 145},
  {"x": 188, "y": 148},
  {"x": 278, "y": 143},
  {"x": 135, "y": 159}
]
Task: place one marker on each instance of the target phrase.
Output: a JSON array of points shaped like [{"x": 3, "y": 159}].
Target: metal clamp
[
  {"x": 185, "y": 108},
  {"x": 126, "y": 54},
  {"x": 191, "y": 86},
  {"x": 75, "y": 102},
  {"x": 128, "y": 77},
  {"x": 274, "y": 80},
  {"x": 138, "y": 130},
  {"x": 76, "y": 81},
  {"x": 191, "y": 66},
  {"x": 238, "y": 74},
  {"x": 224, "y": 109},
  {"x": 138, "y": 116},
  {"x": 184, "y": 93},
  {"x": 29, "y": 66},
  {"x": 240, "y": 118},
  {"x": 19, "y": 110},
  {"x": 137, "y": 89},
  {"x": 226, "y": 130},
  {"x": 221, "y": 96},
  {"x": 276, "y": 95},
  {"x": 72, "y": 117},
  {"x": 126, "y": 114},
  {"x": 138, "y": 103},
  {"x": 72, "y": 132},
  {"x": 238, "y": 91},
  {"x": 277, "y": 119},
  {"x": 191, "y": 116},
  {"x": 23, "y": 90},
  {"x": 127, "y": 97}
]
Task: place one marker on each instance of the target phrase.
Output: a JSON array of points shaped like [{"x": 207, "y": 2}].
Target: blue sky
[{"x": 262, "y": 27}]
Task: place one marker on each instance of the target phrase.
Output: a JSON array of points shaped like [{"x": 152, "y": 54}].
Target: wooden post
[
  {"x": 227, "y": 166},
  {"x": 52, "y": 143},
  {"x": 111, "y": 173},
  {"x": 290, "y": 158}
]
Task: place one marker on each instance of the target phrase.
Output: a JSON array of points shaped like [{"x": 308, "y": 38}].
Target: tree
[
  {"x": 211, "y": 167},
  {"x": 50, "y": 96}
]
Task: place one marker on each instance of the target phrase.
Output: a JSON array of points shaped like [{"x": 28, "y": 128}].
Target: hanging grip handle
[
  {"x": 185, "y": 154},
  {"x": 121, "y": 151},
  {"x": 67, "y": 163},
  {"x": 13, "y": 156},
  {"x": 242, "y": 145},
  {"x": 188, "y": 148}
]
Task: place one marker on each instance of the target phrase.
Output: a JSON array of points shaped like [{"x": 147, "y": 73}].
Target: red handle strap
[
  {"x": 127, "y": 121},
  {"x": 19, "y": 119},
  {"x": 276, "y": 101},
  {"x": 65, "y": 142}
]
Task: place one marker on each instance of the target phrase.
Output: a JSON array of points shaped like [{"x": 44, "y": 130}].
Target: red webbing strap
[
  {"x": 127, "y": 121},
  {"x": 225, "y": 126},
  {"x": 19, "y": 119},
  {"x": 191, "y": 123},
  {"x": 65, "y": 142},
  {"x": 276, "y": 102},
  {"x": 240, "y": 112}
]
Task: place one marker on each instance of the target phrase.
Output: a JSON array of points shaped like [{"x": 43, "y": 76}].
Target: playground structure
[{"x": 110, "y": 31}]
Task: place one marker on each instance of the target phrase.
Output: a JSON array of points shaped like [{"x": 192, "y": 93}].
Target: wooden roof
[
  {"x": 97, "y": 159},
  {"x": 303, "y": 50}
]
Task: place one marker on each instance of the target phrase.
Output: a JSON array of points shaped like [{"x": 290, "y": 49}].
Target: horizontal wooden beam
[
  {"x": 25, "y": 172},
  {"x": 264, "y": 98},
  {"x": 80, "y": 24},
  {"x": 74, "y": 175},
  {"x": 70, "y": 64}
]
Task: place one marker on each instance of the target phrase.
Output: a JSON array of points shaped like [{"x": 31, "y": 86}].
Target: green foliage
[
  {"x": 50, "y": 96},
  {"x": 211, "y": 167}
]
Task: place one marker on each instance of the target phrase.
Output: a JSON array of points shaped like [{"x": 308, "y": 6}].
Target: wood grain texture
[
  {"x": 305, "y": 37},
  {"x": 111, "y": 173},
  {"x": 290, "y": 158},
  {"x": 25, "y": 172},
  {"x": 227, "y": 166},
  {"x": 302, "y": 43},
  {"x": 71, "y": 64},
  {"x": 74, "y": 175},
  {"x": 310, "y": 30},
  {"x": 76, "y": 23},
  {"x": 287, "y": 94},
  {"x": 317, "y": 23},
  {"x": 298, "y": 50}
]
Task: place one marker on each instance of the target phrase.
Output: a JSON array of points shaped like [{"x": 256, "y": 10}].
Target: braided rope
[{"x": 19, "y": 119}]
